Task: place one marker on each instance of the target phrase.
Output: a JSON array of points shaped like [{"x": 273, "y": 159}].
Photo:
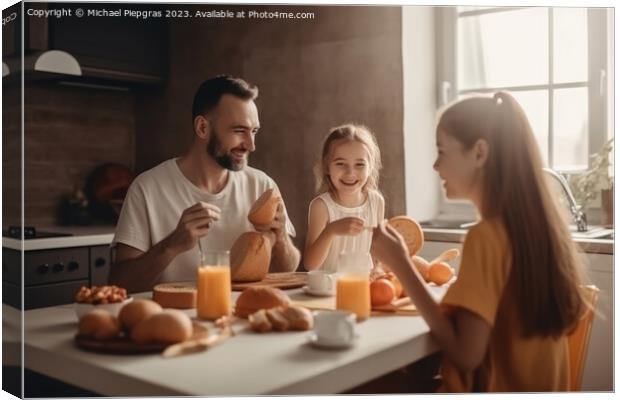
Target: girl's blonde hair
[
  {"x": 348, "y": 132},
  {"x": 546, "y": 272}
]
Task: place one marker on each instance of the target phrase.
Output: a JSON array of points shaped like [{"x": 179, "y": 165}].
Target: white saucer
[
  {"x": 313, "y": 339},
  {"x": 311, "y": 292}
]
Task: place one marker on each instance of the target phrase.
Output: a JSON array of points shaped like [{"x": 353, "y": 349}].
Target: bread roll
[
  {"x": 250, "y": 256},
  {"x": 136, "y": 311},
  {"x": 175, "y": 295},
  {"x": 255, "y": 298},
  {"x": 99, "y": 324},
  {"x": 264, "y": 209},
  {"x": 422, "y": 265},
  {"x": 411, "y": 232},
  {"x": 299, "y": 318},
  {"x": 277, "y": 319},
  {"x": 166, "y": 327},
  {"x": 259, "y": 321}
]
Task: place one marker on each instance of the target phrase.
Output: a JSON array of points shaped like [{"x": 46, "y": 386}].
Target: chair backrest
[{"x": 579, "y": 339}]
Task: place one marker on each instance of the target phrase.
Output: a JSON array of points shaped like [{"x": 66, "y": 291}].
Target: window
[{"x": 554, "y": 61}]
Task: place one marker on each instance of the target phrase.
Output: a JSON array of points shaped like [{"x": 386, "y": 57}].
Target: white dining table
[{"x": 276, "y": 363}]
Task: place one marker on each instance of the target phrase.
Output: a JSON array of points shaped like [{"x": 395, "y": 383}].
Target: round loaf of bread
[
  {"x": 411, "y": 232},
  {"x": 166, "y": 327},
  {"x": 264, "y": 209},
  {"x": 137, "y": 311},
  {"x": 250, "y": 256},
  {"x": 99, "y": 324},
  {"x": 255, "y": 298},
  {"x": 175, "y": 295}
]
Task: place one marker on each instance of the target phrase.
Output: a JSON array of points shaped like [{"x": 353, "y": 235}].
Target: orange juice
[
  {"x": 353, "y": 294},
  {"x": 213, "y": 286}
]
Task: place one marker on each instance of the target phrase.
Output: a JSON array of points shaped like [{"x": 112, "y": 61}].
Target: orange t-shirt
[{"x": 512, "y": 363}]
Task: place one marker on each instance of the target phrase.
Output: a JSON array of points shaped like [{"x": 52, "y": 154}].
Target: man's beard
[{"x": 214, "y": 149}]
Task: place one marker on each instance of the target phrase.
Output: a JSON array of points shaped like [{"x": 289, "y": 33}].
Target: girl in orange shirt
[{"x": 502, "y": 325}]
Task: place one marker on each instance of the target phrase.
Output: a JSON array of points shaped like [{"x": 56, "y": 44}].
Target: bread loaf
[
  {"x": 255, "y": 298},
  {"x": 175, "y": 295},
  {"x": 277, "y": 319},
  {"x": 259, "y": 321},
  {"x": 250, "y": 256},
  {"x": 281, "y": 319},
  {"x": 166, "y": 327},
  {"x": 136, "y": 311},
  {"x": 264, "y": 209},
  {"x": 99, "y": 324},
  {"x": 411, "y": 232},
  {"x": 299, "y": 318}
]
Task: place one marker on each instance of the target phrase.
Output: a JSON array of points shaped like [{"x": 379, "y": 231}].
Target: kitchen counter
[
  {"x": 278, "y": 363},
  {"x": 599, "y": 246},
  {"x": 82, "y": 236}
]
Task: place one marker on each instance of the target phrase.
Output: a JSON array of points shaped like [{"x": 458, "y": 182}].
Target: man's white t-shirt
[{"x": 157, "y": 198}]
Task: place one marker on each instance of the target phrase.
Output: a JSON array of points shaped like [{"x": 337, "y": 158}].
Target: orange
[
  {"x": 411, "y": 232},
  {"x": 382, "y": 292},
  {"x": 440, "y": 273},
  {"x": 398, "y": 287},
  {"x": 422, "y": 265}
]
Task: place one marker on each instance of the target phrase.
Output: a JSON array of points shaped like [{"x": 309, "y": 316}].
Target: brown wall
[
  {"x": 11, "y": 156},
  {"x": 69, "y": 131},
  {"x": 343, "y": 65}
]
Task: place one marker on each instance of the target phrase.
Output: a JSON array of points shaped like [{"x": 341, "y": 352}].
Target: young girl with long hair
[
  {"x": 502, "y": 325},
  {"x": 349, "y": 202}
]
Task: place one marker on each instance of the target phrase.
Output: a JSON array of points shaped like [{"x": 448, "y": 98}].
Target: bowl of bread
[{"x": 140, "y": 326}]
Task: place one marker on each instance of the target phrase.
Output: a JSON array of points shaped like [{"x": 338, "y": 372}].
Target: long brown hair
[
  {"x": 546, "y": 271},
  {"x": 348, "y": 132}
]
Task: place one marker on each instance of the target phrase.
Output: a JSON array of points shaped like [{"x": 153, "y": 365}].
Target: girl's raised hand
[
  {"x": 389, "y": 247},
  {"x": 350, "y": 226}
]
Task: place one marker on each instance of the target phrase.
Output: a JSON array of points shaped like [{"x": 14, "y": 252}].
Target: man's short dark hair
[{"x": 210, "y": 91}]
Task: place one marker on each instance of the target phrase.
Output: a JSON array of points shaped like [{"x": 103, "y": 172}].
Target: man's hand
[
  {"x": 193, "y": 224},
  {"x": 350, "y": 226}
]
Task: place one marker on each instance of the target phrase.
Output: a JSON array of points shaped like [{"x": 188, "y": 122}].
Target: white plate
[
  {"x": 313, "y": 340},
  {"x": 318, "y": 293}
]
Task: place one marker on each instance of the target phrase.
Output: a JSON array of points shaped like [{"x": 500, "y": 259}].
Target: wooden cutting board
[
  {"x": 123, "y": 345},
  {"x": 280, "y": 280},
  {"x": 398, "y": 307}
]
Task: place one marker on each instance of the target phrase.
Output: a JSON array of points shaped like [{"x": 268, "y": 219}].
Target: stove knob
[
  {"x": 100, "y": 262},
  {"x": 58, "y": 267},
  {"x": 73, "y": 265},
  {"x": 43, "y": 268}
]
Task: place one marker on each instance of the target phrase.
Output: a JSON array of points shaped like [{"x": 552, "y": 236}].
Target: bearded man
[{"x": 204, "y": 195}]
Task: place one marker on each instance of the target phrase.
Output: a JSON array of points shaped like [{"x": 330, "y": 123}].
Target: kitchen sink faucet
[{"x": 575, "y": 209}]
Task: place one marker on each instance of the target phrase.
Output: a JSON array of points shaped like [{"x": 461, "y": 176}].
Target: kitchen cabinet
[
  {"x": 123, "y": 49},
  {"x": 53, "y": 276},
  {"x": 598, "y": 370}
]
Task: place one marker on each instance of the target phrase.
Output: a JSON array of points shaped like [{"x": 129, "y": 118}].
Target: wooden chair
[{"x": 579, "y": 339}]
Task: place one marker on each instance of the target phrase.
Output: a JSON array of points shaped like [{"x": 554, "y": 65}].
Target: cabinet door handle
[
  {"x": 43, "y": 268},
  {"x": 73, "y": 265},
  {"x": 58, "y": 267},
  {"x": 100, "y": 262}
]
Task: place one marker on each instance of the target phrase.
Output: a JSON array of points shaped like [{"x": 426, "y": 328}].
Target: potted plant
[{"x": 597, "y": 179}]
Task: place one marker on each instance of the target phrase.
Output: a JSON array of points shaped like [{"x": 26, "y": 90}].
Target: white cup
[
  {"x": 334, "y": 328},
  {"x": 322, "y": 282}
]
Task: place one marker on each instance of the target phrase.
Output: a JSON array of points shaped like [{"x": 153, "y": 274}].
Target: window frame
[{"x": 600, "y": 95}]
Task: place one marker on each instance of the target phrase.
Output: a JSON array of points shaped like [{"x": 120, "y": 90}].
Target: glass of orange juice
[
  {"x": 353, "y": 284},
  {"x": 213, "y": 284}
]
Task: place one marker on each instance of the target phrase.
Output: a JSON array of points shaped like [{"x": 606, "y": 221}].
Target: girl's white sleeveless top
[{"x": 369, "y": 212}]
